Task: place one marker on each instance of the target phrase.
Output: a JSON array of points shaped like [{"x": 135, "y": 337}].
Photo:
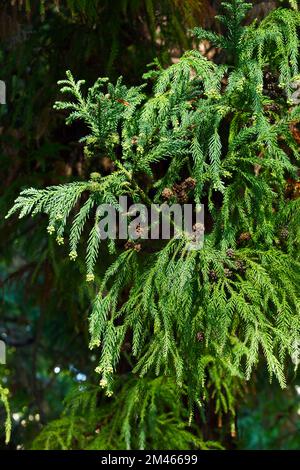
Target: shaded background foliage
[{"x": 44, "y": 307}]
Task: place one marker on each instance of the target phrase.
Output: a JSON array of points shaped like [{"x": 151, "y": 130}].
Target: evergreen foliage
[
  {"x": 144, "y": 414},
  {"x": 197, "y": 322}
]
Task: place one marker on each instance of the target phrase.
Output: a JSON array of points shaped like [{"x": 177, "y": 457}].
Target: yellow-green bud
[
  {"x": 95, "y": 343},
  {"x": 95, "y": 176},
  {"x": 103, "y": 383}
]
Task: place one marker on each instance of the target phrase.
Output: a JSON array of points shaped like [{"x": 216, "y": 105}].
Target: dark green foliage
[
  {"x": 269, "y": 419},
  {"x": 144, "y": 414}
]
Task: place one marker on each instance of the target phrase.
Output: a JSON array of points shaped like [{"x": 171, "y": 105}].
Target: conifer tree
[{"x": 224, "y": 135}]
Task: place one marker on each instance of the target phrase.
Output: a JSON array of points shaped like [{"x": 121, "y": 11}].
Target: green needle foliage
[
  {"x": 200, "y": 321},
  {"x": 4, "y": 392},
  {"x": 144, "y": 414}
]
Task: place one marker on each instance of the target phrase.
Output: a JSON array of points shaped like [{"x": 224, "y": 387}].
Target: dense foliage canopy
[{"x": 178, "y": 337}]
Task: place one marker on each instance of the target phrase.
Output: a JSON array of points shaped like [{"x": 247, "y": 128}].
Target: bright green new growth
[
  {"x": 201, "y": 318},
  {"x": 142, "y": 408}
]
